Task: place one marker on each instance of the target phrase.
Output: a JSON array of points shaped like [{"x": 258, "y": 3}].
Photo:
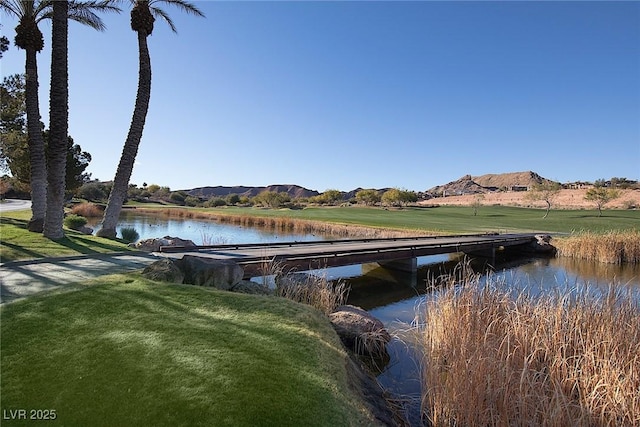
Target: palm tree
[
  {"x": 62, "y": 11},
  {"x": 29, "y": 37},
  {"x": 143, "y": 16},
  {"x": 58, "y": 121}
]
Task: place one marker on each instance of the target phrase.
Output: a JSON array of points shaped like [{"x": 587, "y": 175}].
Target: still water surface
[{"x": 396, "y": 298}]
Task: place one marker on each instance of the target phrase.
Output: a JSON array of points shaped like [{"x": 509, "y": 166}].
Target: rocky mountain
[
  {"x": 509, "y": 180},
  {"x": 295, "y": 191},
  {"x": 488, "y": 183},
  {"x": 466, "y": 185}
]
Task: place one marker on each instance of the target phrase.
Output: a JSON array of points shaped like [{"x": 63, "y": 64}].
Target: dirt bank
[{"x": 566, "y": 199}]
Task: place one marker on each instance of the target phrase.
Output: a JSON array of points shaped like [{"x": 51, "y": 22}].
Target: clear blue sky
[{"x": 339, "y": 95}]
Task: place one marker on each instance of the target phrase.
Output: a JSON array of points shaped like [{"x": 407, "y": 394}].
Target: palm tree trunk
[
  {"x": 58, "y": 122},
  {"x": 125, "y": 167},
  {"x": 38, "y": 176}
]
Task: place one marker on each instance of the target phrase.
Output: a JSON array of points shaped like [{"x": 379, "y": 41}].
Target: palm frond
[
  {"x": 83, "y": 12},
  {"x": 12, "y": 7},
  {"x": 183, "y": 5}
]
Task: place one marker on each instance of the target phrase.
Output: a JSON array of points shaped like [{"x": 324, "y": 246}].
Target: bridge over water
[{"x": 395, "y": 253}]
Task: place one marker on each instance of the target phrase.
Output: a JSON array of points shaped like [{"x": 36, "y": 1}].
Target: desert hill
[{"x": 488, "y": 183}]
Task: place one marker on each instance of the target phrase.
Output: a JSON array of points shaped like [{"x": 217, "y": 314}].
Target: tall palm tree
[
  {"x": 58, "y": 121},
  {"x": 29, "y": 37},
  {"x": 62, "y": 11},
  {"x": 143, "y": 16}
]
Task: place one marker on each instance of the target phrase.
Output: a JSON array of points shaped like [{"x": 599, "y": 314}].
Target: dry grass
[
  {"x": 495, "y": 359},
  {"x": 313, "y": 290},
  {"x": 87, "y": 210},
  {"x": 614, "y": 247}
]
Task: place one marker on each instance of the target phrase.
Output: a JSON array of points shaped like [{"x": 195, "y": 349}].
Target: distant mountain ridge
[
  {"x": 295, "y": 191},
  {"x": 466, "y": 185}
]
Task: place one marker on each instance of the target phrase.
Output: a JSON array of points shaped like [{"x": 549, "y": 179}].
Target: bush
[
  {"x": 87, "y": 210},
  {"x": 129, "y": 234},
  {"x": 191, "y": 201},
  {"x": 75, "y": 222}
]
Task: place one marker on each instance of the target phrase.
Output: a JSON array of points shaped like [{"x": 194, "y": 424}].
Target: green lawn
[
  {"x": 125, "y": 351},
  {"x": 457, "y": 219},
  {"x": 17, "y": 243}
]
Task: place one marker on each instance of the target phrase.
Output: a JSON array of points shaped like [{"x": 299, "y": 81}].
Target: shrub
[
  {"x": 87, "y": 210},
  {"x": 129, "y": 234},
  {"x": 191, "y": 201},
  {"x": 75, "y": 222}
]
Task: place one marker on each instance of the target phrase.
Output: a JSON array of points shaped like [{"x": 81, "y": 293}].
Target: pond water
[{"x": 396, "y": 298}]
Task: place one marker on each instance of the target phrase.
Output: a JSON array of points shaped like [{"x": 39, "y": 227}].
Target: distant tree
[
  {"x": 176, "y": 197},
  {"x": 191, "y": 201},
  {"x": 399, "y": 197},
  {"x": 477, "y": 203},
  {"x": 329, "y": 197},
  {"x": 391, "y": 197},
  {"x": 15, "y": 158},
  {"x": 601, "y": 196},
  {"x": 143, "y": 16},
  {"x": 369, "y": 197},
  {"x": 546, "y": 191},
  {"x": 94, "y": 191},
  {"x": 407, "y": 197},
  {"x": 271, "y": 199},
  {"x": 232, "y": 199},
  {"x": 600, "y": 183},
  {"x": 4, "y": 187},
  {"x": 4, "y": 45}
]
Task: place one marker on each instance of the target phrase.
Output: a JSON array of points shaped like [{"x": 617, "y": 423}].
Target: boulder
[
  {"x": 541, "y": 245},
  {"x": 153, "y": 245},
  {"x": 249, "y": 287},
  {"x": 86, "y": 230},
  {"x": 201, "y": 271},
  {"x": 164, "y": 270},
  {"x": 360, "y": 331}
]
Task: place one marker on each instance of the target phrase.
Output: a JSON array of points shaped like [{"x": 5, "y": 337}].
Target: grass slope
[{"x": 127, "y": 351}]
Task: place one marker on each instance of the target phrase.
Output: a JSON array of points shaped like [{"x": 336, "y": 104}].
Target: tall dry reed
[
  {"x": 316, "y": 291},
  {"x": 492, "y": 358},
  {"x": 614, "y": 247},
  {"x": 87, "y": 210}
]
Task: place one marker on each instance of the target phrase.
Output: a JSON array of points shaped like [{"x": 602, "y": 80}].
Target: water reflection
[{"x": 201, "y": 231}]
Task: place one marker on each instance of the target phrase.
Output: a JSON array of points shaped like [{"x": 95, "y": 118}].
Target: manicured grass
[
  {"x": 128, "y": 351},
  {"x": 457, "y": 219},
  {"x": 18, "y": 243}
]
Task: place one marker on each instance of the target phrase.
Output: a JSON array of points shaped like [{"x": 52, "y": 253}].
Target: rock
[
  {"x": 153, "y": 245},
  {"x": 249, "y": 287},
  {"x": 360, "y": 331},
  {"x": 210, "y": 272},
  {"x": 86, "y": 230},
  {"x": 164, "y": 270},
  {"x": 542, "y": 245}
]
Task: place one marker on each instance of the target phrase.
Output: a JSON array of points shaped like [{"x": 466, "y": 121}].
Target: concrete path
[
  {"x": 14, "y": 205},
  {"x": 20, "y": 279}
]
